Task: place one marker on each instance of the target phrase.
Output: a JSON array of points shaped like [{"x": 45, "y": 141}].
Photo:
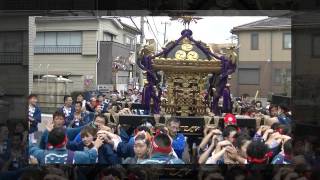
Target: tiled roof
[
  {"x": 134, "y": 29},
  {"x": 268, "y": 23}
]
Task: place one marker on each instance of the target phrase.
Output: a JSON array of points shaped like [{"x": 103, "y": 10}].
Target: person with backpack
[{"x": 57, "y": 153}]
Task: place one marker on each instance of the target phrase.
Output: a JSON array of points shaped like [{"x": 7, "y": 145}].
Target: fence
[
  {"x": 50, "y": 93},
  {"x": 57, "y": 49}
]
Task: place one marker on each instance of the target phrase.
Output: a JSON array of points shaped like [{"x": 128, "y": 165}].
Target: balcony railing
[
  {"x": 57, "y": 49},
  {"x": 11, "y": 57}
]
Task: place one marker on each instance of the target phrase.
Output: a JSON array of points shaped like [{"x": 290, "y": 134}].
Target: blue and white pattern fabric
[
  {"x": 103, "y": 107},
  {"x": 160, "y": 158},
  {"x": 66, "y": 111},
  {"x": 34, "y": 115},
  {"x": 63, "y": 156},
  {"x": 31, "y": 111},
  {"x": 53, "y": 158}
]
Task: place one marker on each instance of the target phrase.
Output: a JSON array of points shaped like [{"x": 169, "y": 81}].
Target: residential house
[
  {"x": 117, "y": 60},
  {"x": 264, "y": 58},
  {"x": 70, "y": 46}
]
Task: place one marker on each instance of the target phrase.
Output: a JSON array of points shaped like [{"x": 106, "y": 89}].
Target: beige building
[
  {"x": 264, "y": 61},
  {"x": 69, "y": 47}
]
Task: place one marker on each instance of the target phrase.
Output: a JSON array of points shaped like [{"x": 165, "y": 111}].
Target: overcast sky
[{"x": 210, "y": 29}]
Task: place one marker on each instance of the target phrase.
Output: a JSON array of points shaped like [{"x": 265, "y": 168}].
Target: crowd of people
[
  {"x": 135, "y": 172},
  {"x": 88, "y": 132}
]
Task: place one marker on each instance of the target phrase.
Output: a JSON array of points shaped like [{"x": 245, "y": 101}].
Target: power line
[
  {"x": 155, "y": 25},
  {"x": 151, "y": 29},
  {"x": 158, "y": 42},
  {"x": 133, "y": 22},
  {"x": 165, "y": 31}
]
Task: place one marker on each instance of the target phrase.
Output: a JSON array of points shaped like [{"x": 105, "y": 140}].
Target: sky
[{"x": 210, "y": 29}]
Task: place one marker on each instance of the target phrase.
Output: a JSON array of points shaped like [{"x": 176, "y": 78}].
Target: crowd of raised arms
[{"x": 88, "y": 132}]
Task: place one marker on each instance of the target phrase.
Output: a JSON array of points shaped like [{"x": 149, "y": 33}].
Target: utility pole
[
  {"x": 142, "y": 30},
  {"x": 141, "y": 46},
  {"x": 165, "y": 31}
]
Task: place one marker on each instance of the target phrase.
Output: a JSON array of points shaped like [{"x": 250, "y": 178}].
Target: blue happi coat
[
  {"x": 63, "y": 156},
  {"x": 68, "y": 113},
  {"x": 70, "y": 132},
  {"x": 106, "y": 154},
  {"x": 160, "y": 158},
  {"x": 86, "y": 118},
  {"x": 35, "y": 113}
]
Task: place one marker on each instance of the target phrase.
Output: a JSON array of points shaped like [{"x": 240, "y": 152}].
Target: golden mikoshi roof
[{"x": 186, "y": 55}]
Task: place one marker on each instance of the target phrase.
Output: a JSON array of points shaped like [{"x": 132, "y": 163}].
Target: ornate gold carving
[
  {"x": 186, "y": 76},
  {"x": 231, "y": 54},
  {"x": 186, "y": 47},
  {"x": 180, "y": 55},
  {"x": 184, "y": 96},
  {"x": 192, "y": 55},
  {"x": 147, "y": 50},
  {"x": 186, "y": 41}
]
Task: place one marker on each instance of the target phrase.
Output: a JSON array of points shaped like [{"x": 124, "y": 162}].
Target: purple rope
[{"x": 167, "y": 50}]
